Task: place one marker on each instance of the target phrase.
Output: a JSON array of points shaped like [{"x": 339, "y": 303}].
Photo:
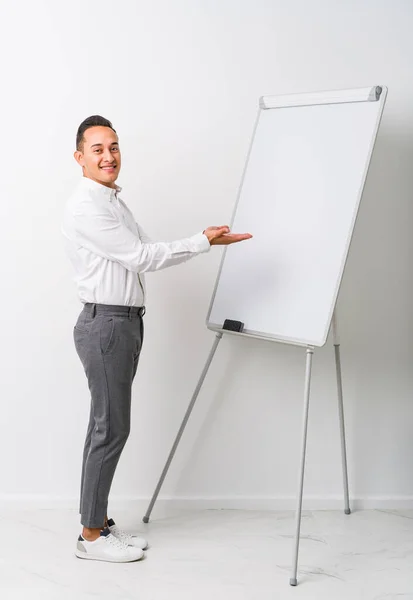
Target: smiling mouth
[{"x": 108, "y": 168}]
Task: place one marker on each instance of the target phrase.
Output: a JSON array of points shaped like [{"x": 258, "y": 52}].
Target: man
[{"x": 110, "y": 253}]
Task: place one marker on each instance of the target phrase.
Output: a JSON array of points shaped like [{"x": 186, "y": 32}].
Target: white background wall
[{"x": 180, "y": 81}]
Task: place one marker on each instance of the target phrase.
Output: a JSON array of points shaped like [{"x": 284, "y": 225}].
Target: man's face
[{"x": 100, "y": 157}]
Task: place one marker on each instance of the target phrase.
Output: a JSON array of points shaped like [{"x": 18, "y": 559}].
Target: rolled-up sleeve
[{"x": 101, "y": 230}]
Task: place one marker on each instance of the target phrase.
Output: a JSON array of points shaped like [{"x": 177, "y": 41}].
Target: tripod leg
[
  {"x": 310, "y": 352},
  {"x": 182, "y": 428},
  {"x": 336, "y": 342}
]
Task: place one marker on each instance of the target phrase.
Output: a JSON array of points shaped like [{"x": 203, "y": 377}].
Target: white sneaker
[
  {"x": 108, "y": 548},
  {"x": 127, "y": 538}
]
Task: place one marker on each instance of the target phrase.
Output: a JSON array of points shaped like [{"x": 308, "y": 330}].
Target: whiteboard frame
[{"x": 368, "y": 94}]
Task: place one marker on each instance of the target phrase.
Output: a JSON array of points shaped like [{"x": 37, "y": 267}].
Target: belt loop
[
  {"x": 130, "y": 313},
  {"x": 93, "y": 310}
]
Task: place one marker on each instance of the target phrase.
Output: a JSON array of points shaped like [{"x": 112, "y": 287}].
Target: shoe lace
[
  {"x": 116, "y": 542},
  {"x": 123, "y": 535}
]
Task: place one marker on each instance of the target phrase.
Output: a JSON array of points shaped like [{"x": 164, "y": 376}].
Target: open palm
[{"x": 221, "y": 236}]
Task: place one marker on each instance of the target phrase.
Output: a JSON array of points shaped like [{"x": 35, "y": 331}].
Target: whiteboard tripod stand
[{"x": 307, "y": 386}]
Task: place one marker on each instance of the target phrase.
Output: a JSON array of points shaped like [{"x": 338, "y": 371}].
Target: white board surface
[{"x": 299, "y": 198}]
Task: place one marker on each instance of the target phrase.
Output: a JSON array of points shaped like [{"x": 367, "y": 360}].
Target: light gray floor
[{"x": 214, "y": 555}]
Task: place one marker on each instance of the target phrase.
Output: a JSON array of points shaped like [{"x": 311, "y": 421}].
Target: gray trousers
[{"x": 108, "y": 340}]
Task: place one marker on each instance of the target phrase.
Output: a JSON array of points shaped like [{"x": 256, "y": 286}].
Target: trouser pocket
[{"x": 107, "y": 334}]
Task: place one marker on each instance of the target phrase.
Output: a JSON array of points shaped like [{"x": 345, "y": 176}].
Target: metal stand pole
[
  {"x": 182, "y": 428},
  {"x": 336, "y": 342},
  {"x": 309, "y": 360}
]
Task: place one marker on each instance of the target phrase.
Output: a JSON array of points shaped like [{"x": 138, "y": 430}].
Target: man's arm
[
  {"x": 143, "y": 235},
  {"x": 99, "y": 229}
]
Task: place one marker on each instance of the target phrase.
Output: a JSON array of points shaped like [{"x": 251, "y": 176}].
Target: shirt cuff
[{"x": 201, "y": 242}]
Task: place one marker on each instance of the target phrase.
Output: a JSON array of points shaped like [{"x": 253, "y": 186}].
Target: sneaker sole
[{"x": 87, "y": 556}]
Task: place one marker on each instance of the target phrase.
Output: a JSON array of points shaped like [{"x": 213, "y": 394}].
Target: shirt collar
[{"x": 107, "y": 192}]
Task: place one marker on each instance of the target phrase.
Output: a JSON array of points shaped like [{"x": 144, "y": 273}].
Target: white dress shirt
[{"x": 110, "y": 251}]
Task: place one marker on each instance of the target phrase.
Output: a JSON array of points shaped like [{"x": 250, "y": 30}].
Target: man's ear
[{"x": 79, "y": 158}]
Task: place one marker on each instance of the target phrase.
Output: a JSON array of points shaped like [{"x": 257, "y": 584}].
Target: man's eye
[
  {"x": 97, "y": 150},
  {"x": 115, "y": 149}
]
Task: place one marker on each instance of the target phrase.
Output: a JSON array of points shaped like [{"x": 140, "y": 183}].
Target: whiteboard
[{"x": 299, "y": 197}]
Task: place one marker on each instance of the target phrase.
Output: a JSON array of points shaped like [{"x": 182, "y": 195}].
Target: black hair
[{"x": 93, "y": 121}]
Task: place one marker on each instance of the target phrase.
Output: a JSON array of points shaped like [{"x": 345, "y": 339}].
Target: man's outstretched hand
[{"x": 221, "y": 236}]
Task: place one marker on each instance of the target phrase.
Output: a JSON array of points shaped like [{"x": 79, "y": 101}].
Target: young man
[{"x": 110, "y": 253}]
